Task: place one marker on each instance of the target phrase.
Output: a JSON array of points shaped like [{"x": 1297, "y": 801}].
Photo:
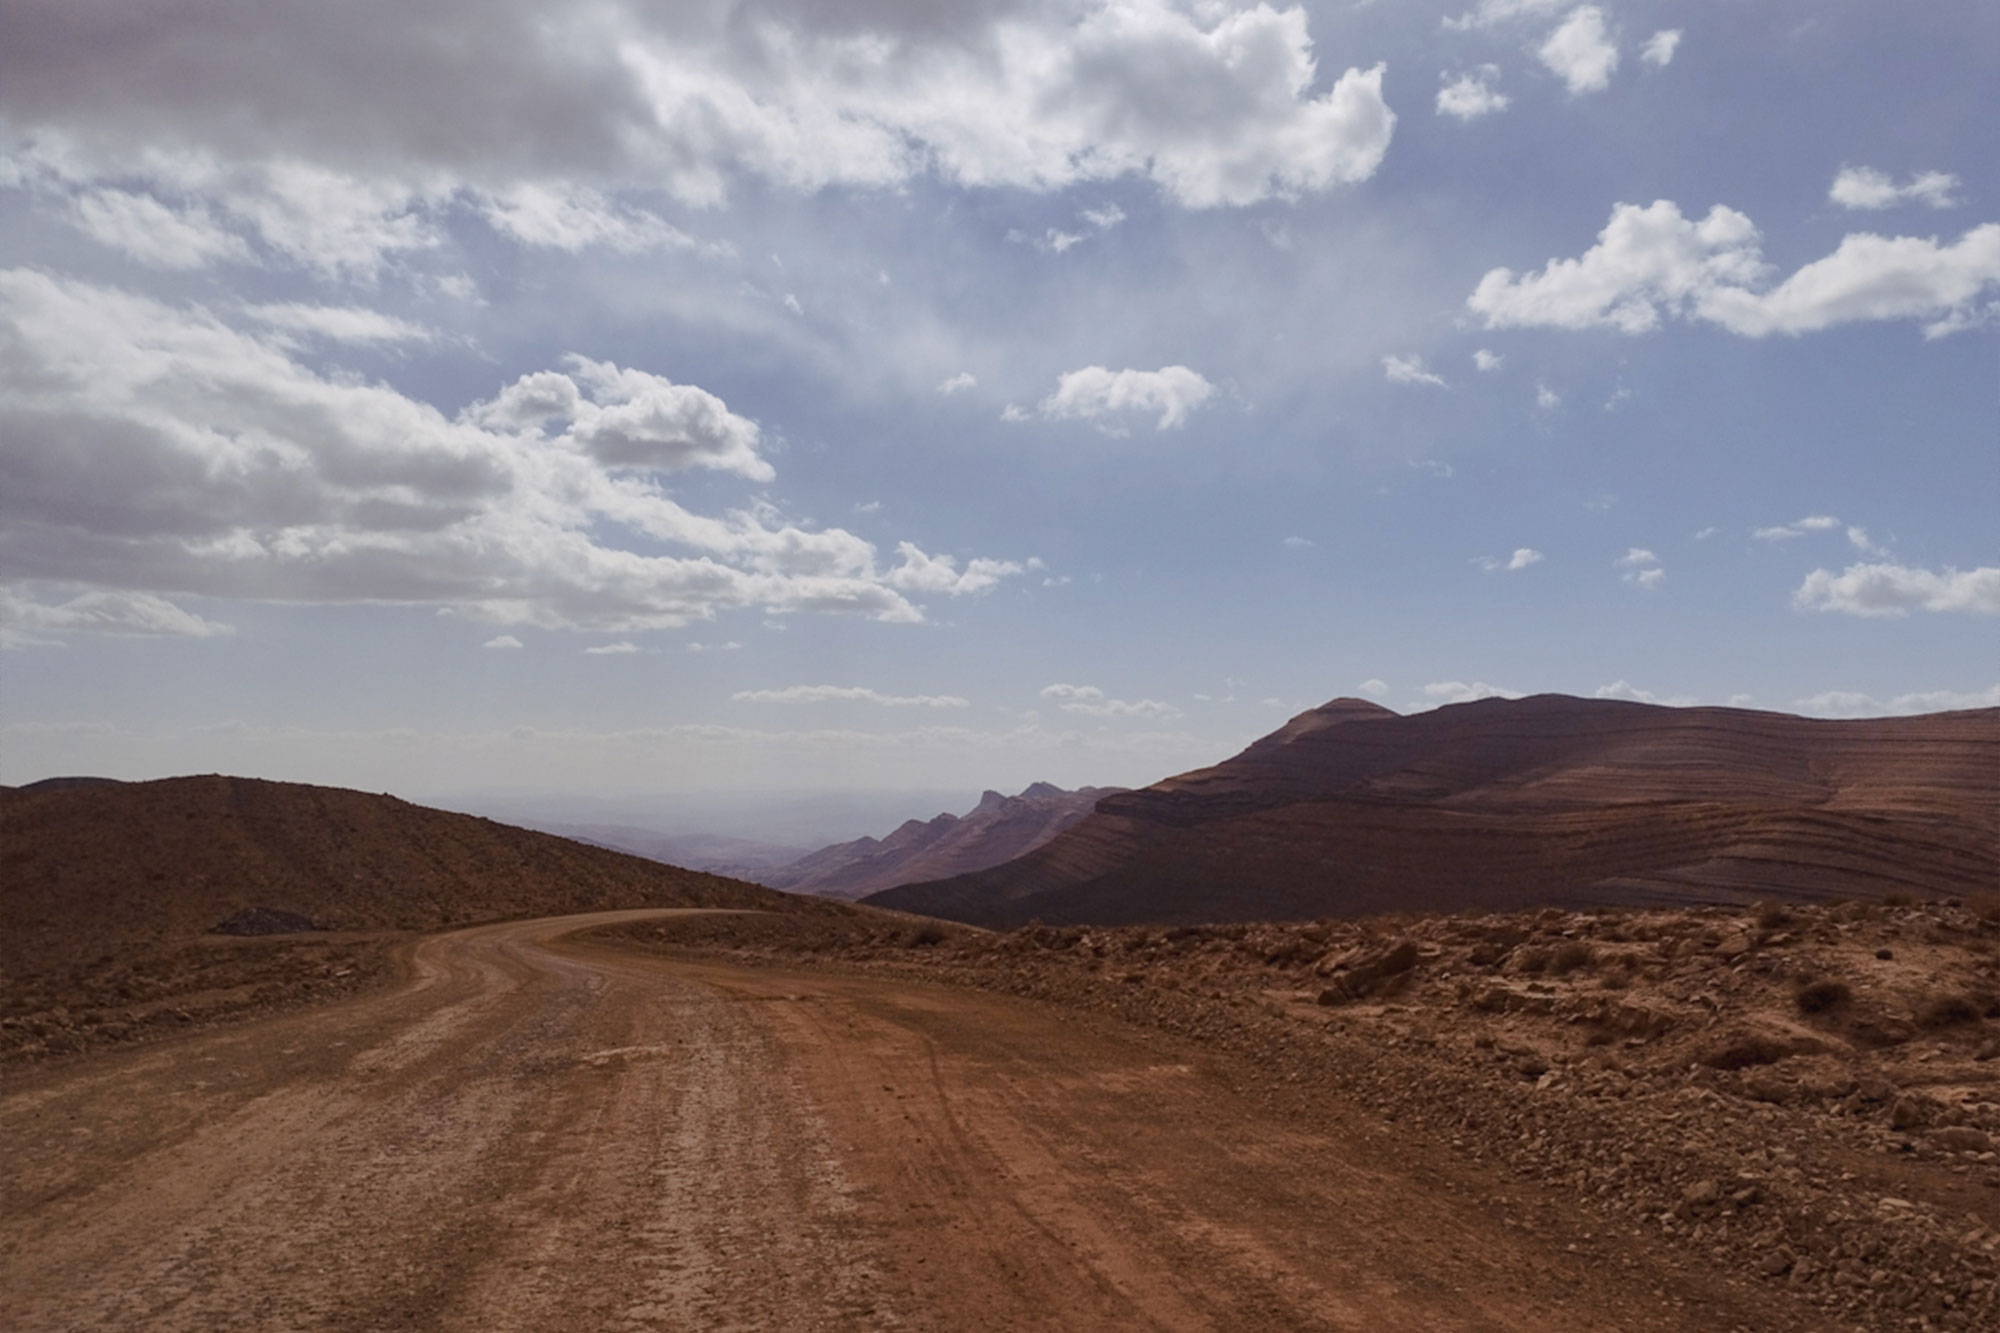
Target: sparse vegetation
[{"x": 1823, "y": 996}]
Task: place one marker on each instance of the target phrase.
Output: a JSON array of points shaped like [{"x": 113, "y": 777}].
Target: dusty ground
[
  {"x": 1804, "y": 1098},
  {"x": 540, "y": 1131}
]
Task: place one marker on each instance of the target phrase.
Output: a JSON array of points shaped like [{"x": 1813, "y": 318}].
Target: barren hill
[
  {"x": 1351, "y": 808},
  {"x": 998, "y": 829},
  {"x": 91, "y": 871}
]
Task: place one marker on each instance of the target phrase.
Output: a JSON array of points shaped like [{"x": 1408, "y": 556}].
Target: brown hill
[
  {"x": 112, "y": 870},
  {"x": 998, "y": 829},
  {"x": 1350, "y": 808}
]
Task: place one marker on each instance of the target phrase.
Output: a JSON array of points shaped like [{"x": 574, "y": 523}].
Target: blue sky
[{"x": 762, "y": 396}]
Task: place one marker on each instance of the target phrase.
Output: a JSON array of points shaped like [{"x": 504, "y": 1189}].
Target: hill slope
[
  {"x": 97, "y": 870},
  {"x": 998, "y": 829},
  {"x": 1351, "y": 808}
]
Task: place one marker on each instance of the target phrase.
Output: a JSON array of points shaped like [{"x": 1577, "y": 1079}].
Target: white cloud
[
  {"x": 348, "y": 324},
  {"x": 502, "y": 641},
  {"x": 1852, "y": 703},
  {"x": 622, "y": 649},
  {"x": 1547, "y": 399},
  {"x": 1105, "y": 218},
  {"x": 1858, "y": 538},
  {"x": 1660, "y": 47},
  {"x": 1487, "y": 360},
  {"x": 1464, "y": 692},
  {"x": 1621, "y": 689},
  {"x": 1580, "y": 51},
  {"x": 1374, "y": 687},
  {"x": 1214, "y": 105},
  {"x": 963, "y": 380},
  {"x": 1299, "y": 543},
  {"x": 150, "y": 232},
  {"x": 23, "y": 618},
  {"x": 728, "y": 647},
  {"x": 1472, "y": 95},
  {"x": 1868, "y": 188},
  {"x": 1785, "y": 532},
  {"x": 819, "y": 694},
  {"x": 1892, "y": 591},
  {"x": 1410, "y": 370},
  {"x": 1093, "y": 702},
  {"x": 1641, "y": 567},
  {"x": 1097, "y": 394},
  {"x": 919, "y": 572},
  {"x": 1651, "y": 262},
  {"x": 153, "y": 449},
  {"x": 578, "y": 218},
  {"x": 1494, "y": 13},
  {"x": 1703, "y": 534},
  {"x": 1521, "y": 559}
]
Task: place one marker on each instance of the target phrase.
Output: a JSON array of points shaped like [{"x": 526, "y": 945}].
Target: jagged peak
[
  {"x": 1043, "y": 789},
  {"x": 989, "y": 799}
]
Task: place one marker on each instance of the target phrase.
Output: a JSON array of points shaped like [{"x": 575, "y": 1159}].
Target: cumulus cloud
[
  {"x": 820, "y": 694},
  {"x": 1093, "y": 702},
  {"x": 1641, "y": 567},
  {"x": 622, "y": 649},
  {"x": 1486, "y": 360},
  {"x": 24, "y": 618},
  {"x": 1472, "y": 95},
  {"x": 1651, "y": 263},
  {"x": 1299, "y": 543},
  {"x": 155, "y": 449},
  {"x": 1853, "y": 703},
  {"x": 1105, "y": 396},
  {"x": 1411, "y": 370},
  {"x": 1374, "y": 687},
  {"x": 958, "y": 383},
  {"x": 1521, "y": 559},
  {"x": 1580, "y": 51},
  {"x": 1660, "y": 47},
  {"x": 1465, "y": 692},
  {"x": 1868, "y": 188},
  {"x": 253, "y": 111},
  {"x": 1622, "y": 689},
  {"x": 502, "y": 642},
  {"x": 1886, "y": 590},
  {"x": 1547, "y": 399}
]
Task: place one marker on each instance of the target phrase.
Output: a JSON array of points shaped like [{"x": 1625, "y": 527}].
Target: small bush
[
  {"x": 1944, "y": 1011},
  {"x": 1532, "y": 961},
  {"x": 1571, "y": 957},
  {"x": 1898, "y": 900},
  {"x": 1823, "y": 996},
  {"x": 923, "y": 936},
  {"x": 1742, "y": 1053}
]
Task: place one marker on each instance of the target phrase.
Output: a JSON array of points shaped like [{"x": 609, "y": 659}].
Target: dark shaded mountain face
[
  {"x": 103, "y": 870},
  {"x": 1350, "y": 808},
  {"x": 998, "y": 829}
]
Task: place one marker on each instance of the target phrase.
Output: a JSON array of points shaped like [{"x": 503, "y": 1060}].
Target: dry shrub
[
  {"x": 1743, "y": 1052},
  {"x": 1823, "y": 996},
  {"x": 1772, "y": 916},
  {"x": 923, "y": 935},
  {"x": 1950, "y": 1010},
  {"x": 1533, "y": 962},
  {"x": 1571, "y": 957}
]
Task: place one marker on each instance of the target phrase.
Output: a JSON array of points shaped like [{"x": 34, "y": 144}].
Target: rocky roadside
[{"x": 1809, "y": 1097}]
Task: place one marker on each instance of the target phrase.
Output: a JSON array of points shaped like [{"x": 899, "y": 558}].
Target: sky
[{"x": 746, "y": 396}]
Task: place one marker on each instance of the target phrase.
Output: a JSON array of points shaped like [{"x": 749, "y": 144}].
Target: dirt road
[{"x": 546, "y": 1133}]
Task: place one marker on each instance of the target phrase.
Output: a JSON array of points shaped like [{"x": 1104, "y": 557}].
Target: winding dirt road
[{"x": 547, "y": 1133}]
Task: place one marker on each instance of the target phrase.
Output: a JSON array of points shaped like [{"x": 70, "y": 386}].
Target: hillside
[
  {"x": 1351, "y": 808},
  {"x": 97, "y": 869},
  {"x": 998, "y": 829}
]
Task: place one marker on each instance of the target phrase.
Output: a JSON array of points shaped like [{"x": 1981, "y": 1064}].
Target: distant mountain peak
[
  {"x": 1042, "y": 789},
  {"x": 991, "y": 800}
]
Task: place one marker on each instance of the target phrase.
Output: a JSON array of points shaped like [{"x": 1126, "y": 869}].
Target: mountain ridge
[
  {"x": 998, "y": 828},
  {"x": 1351, "y": 808}
]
